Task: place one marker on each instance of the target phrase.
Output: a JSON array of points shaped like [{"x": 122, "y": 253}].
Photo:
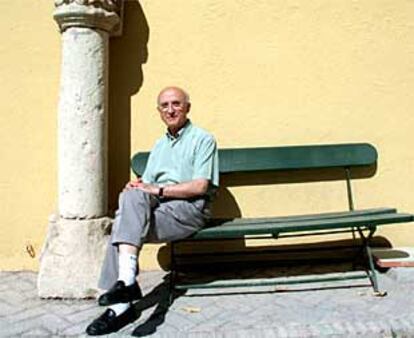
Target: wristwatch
[{"x": 161, "y": 192}]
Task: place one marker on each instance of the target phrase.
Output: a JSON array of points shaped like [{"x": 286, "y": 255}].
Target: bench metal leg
[
  {"x": 362, "y": 247},
  {"x": 372, "y": 274}
]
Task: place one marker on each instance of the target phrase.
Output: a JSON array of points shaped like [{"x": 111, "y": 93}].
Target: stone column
[{"x": 74, "y": 247}]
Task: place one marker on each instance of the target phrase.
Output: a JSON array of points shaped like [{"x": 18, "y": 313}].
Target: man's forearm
[
  {"x": 194, "y": 188},
  {"x": 189, "y": 189}
]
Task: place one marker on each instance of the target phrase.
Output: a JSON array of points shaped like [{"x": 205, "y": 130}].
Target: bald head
[
  {"x": 173, "y": 106},
  {"x": 177, "y": 90}
]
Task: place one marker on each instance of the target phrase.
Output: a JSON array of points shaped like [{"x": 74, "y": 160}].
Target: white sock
[
  {"x": 127, "y": 268},
  {"x": 119, "y": 308}
]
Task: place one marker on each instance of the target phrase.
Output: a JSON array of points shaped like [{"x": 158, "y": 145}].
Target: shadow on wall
[
  {"x": 226, "y": 206},
  {"x": 127, "y": 54}
]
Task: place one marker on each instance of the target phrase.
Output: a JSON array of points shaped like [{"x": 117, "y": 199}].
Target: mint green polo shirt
[{"x": 191, "y": 155}]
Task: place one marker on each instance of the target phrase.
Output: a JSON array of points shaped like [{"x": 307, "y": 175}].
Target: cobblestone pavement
[{"x": 311, "y": 310}]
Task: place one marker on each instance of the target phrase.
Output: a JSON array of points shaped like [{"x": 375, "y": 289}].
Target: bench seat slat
[
  {"x": 306, "y": 217},
  {"x": 234, "y": 230}
]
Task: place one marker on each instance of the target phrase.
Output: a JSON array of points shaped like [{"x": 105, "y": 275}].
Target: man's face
[{"x": 173, "y": 108}]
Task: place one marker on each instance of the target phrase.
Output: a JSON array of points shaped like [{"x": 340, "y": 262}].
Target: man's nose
[{"x": 170, "y": 108}]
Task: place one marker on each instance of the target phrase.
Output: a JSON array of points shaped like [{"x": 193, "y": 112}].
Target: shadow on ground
[{"x": 160, "y": 298}]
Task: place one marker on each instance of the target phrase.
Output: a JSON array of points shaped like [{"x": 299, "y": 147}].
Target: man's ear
[{"x": 188, "y": 107}]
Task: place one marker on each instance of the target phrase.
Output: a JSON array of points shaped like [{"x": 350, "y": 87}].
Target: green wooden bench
[{"x": 346, "y": 159}]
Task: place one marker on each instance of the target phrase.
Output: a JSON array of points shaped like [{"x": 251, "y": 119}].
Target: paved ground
[{"x": 312, "y": 310}]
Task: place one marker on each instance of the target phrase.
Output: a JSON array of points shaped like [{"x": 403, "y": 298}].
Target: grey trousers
[{"x": 141, "y": 218}]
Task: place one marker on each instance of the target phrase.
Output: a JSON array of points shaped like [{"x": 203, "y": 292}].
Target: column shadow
[{"x": 127, "y": 54}]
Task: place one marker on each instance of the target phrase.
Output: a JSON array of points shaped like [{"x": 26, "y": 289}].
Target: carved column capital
[{"x": 100, "y": 14}]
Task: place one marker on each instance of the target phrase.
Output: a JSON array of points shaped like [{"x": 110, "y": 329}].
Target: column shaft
[{"x": 82, "y": 141}]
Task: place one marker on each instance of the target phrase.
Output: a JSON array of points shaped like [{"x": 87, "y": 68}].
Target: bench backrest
[{"x": 284, "y": 158}]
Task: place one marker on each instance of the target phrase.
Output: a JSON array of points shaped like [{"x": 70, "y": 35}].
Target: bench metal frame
[{"x": 365, "y": 233}]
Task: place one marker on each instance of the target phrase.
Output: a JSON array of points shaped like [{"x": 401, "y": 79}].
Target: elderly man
[{"x": 170, "y": 202}]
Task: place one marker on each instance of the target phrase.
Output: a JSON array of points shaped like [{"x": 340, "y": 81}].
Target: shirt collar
[{"x": 180, "y": 133}]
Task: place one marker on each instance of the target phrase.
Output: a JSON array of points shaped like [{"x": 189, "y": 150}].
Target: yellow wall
[
  {"x": 29, "y": 80},
  {"x": 259, "y": 73}
]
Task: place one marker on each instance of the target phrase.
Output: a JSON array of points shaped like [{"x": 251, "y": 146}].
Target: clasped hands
[{"x": 138, "y": 184}]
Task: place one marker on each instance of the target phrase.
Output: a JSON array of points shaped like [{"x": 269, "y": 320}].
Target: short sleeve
[
  {"x": 206, "y": 160},
  {"x": 148, "y": 176}
]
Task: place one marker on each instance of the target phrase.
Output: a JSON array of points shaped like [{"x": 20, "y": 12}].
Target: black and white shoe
[
  {"x": 109, "y": 322},
  {"x": 120, "y": 293}
]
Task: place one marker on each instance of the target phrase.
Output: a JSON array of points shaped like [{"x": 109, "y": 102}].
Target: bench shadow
[
  {"x": 296, "y": 176},
  {"x": 271, "y": 261},
  {"x": 225, "y": 205}
]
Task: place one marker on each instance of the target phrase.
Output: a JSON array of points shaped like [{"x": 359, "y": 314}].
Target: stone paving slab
[{"x": 314, "y": 310}]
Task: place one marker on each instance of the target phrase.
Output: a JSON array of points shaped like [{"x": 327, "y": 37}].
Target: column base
[{"x": 71, "y": 257}]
